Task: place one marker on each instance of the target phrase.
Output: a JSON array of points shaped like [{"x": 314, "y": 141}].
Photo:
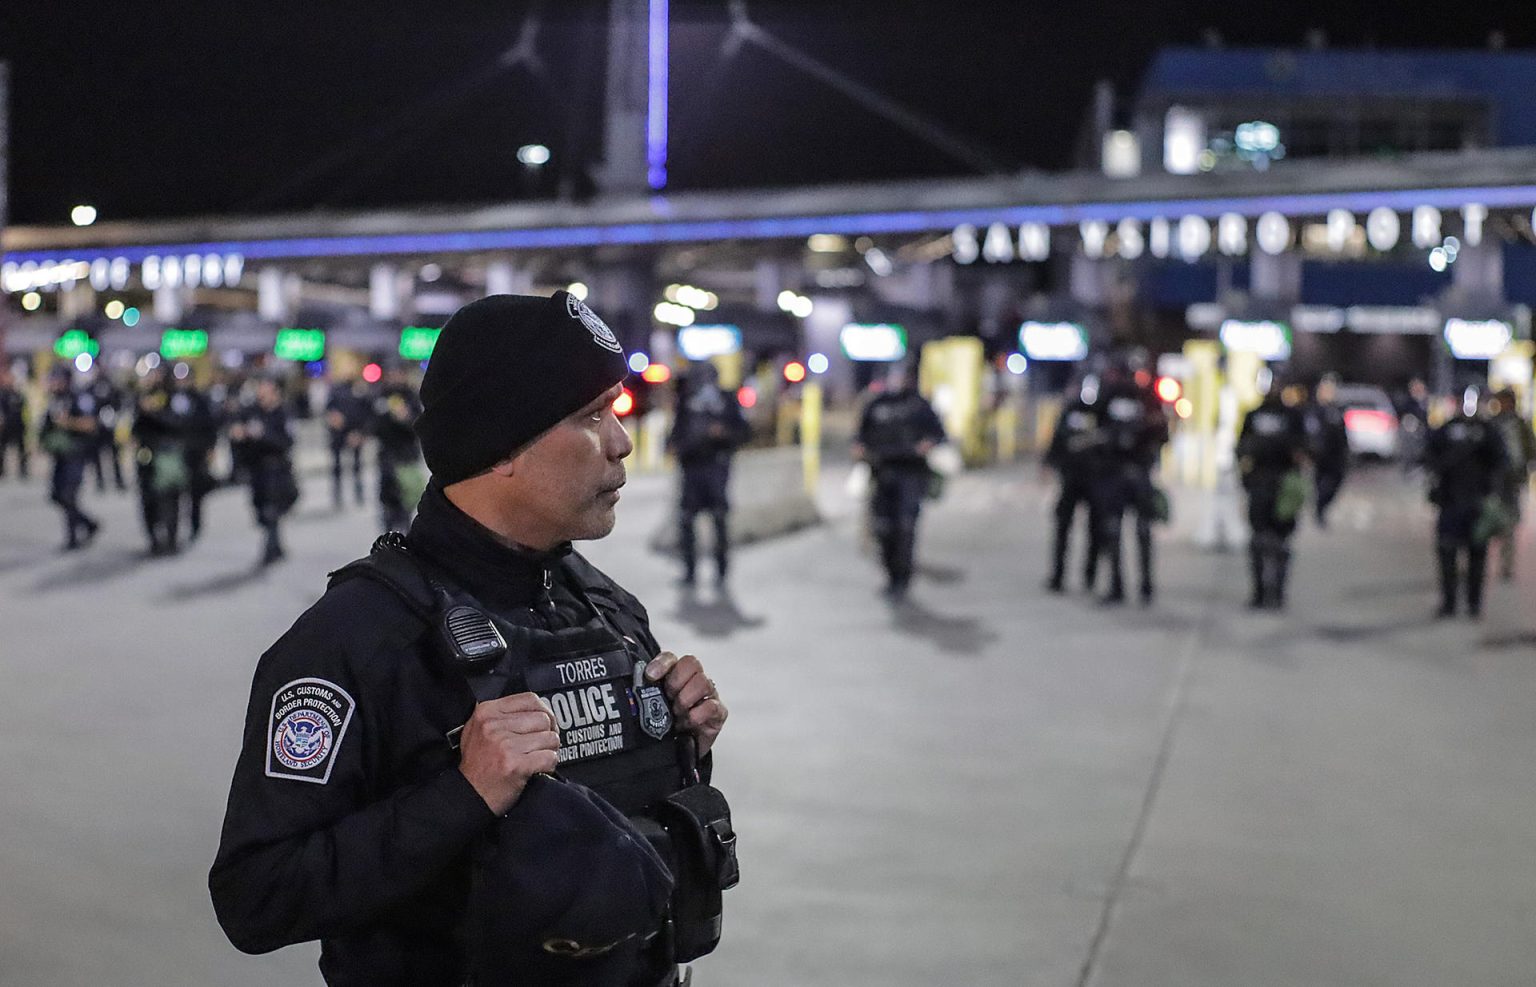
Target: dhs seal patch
[
  {"x": 655, "y": 714},
  {"x": 601, "y": 334},
  {"x": 309, "y": 719}
]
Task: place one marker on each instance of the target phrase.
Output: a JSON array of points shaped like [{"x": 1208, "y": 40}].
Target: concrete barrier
[{"x": 768, "y": 499}]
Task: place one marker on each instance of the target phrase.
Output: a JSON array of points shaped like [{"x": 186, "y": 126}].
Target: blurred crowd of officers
[
  {"x": 183, "y": 442},
  {"x": 1292, "y": 449}
]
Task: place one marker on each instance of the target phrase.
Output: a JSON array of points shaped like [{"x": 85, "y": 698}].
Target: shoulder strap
[{"x": 392, "y": 565}]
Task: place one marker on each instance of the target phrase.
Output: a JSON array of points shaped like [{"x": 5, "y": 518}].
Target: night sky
[{"x": 205, "y": 108}]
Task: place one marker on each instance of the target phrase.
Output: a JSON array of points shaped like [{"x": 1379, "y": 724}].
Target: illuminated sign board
[
  {"x": 1265, "y": 339},
  {"x": 177, "y": 344},
  {"x": 417, "y": 342},
  {"x": 1053, "y": 340},
  {"x": 873, "y": 342},
  {"x": 302, "y": 345},
  {"x": 73, "y": 343},
  {"x": 700, "y": 342},
  {"x": 1477, "y": 339}
]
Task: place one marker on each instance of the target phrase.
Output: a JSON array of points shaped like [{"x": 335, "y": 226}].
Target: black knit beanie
[{"x": 506, "y": 369}]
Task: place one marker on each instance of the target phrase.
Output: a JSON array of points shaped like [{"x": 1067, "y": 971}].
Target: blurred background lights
[
  {"x": 817, "y": 363},
  {"x": 83, "y": 362},
  {"x": 577, "y": 290},
  {"x": 83, "y": 215},
  {"x": 1017, "y": 363},
  {"x": 794, "y": 371},
  {"x": 533, "y": 155},
  {"x": 638, "y": 362},
  {"x": 624, "y": 404},
  {"x": 114, "y": 309},
  {"x": 372, "y": 373},
  {"x": 181, "y": 371},
  {"x": 656, "y": 373},
  {"x": 130, "y": 317},
  {"x": 31, "y": 301},
  {"x": 746, "y": 396}
]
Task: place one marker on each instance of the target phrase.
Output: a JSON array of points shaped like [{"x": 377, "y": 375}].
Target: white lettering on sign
[
  {"x": 1341, "y": 226},
  {"x": 1426, "y": 227},
  {"x": 1382, "y": 228},
  {"x": 1034, "y": 241},
  {"x": 1194, "y": 238},
  {"x": 997, "y": 247},
  {"x": 1128, "y": 232},
  {"x": 966, "y": 249},
  {"x": 1093, "y": 232},
  {"x": 1161, "y": 239},
  {"x": 1232, "y": 235},
  {"x": 1472, "y": 216},
  {"x": 1273, "y": 233}
]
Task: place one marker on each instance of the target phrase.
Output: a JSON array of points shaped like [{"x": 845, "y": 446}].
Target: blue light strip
[
  {"x": 656, "y": 104},
  {"x": 772, "y": 228}
]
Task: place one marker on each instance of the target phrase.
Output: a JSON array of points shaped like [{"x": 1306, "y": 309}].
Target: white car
[{"x": 1370, "y": 421}]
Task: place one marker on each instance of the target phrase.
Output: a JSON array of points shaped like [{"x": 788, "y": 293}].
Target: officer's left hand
[{"x": 695, "y": 701}]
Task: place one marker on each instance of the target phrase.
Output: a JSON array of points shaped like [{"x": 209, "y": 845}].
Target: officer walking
[
  {"x": 348, "y": 415},
  {"x": 1328, "y": 441},
  {"x": 109, "y": 408},
  {"x": 706, "y": 432},
  {"x": 1466, "y": 463},
  {"x": 1135, "y": 430},
  {"x": 200, "y": 434},
  {"x": 13, "y": 423},
  {"x": 1076, "y": 453},
  {"x": 68, "y": 434},
  {"x": 1519, "y": 458},
  {"x": 896, "y": 432},
  {"x": 402, "y": 475},
  {"x": 394, "y": 797},
  {"x": 1270, "y": 451},
  {"x": 266, "y": 445},
  {"x": 159, "y": 430}
]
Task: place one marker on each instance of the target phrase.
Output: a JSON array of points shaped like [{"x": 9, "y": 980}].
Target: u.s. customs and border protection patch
[
  {"x": 655, "y": 712},
  {"x": 308, "y": 722}
]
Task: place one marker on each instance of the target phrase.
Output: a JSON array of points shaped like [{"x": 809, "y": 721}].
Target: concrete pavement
[{"x": 987, "y": 785}]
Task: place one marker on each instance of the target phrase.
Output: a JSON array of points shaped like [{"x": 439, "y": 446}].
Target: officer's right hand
[{"x": 506, "y": 742}]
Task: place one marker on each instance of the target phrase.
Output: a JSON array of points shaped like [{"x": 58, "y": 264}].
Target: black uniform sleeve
[{"x": 307, "y": 850}]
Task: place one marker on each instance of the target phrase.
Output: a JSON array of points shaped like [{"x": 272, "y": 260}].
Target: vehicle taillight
[{"x": 1369, "y": 420}]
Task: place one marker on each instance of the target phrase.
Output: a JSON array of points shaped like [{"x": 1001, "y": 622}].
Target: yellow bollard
[{"x": 810, "y": 434}]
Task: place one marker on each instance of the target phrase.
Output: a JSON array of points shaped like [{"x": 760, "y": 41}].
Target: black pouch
[{"x": 703, "y": 849}]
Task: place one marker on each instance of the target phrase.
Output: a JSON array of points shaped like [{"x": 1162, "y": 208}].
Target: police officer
[
  {"x": 13, "y": 425},
  {"x": 1271, "y": 449},
  {"x": 1328, "y": 441},
  {"x": 349, "y": 412},
  {"x": 1519, "y": 458},
  {"x": 706, "y": 432},
  {"x": 109, "y": 407},
  {"x": 392, "y": 798},
  {"x": 68, "y": 434},
  {"x": 160, "y": 421},
  {"x": 200, "y": 434},
  {"x": 266, "y": 445},
  {"x": 896, "y": 432},
  {"x": 1135, "y": 428},
  {"x": 1076, "y": 453},
  {"x": 402, "y": 476},
  {"x": 1466, "y": 460}
]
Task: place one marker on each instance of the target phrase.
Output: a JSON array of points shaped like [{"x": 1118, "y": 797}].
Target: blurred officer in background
[
  {"x": 1466, "y": 464},
  {"x": 896, "y": 432},
  {"x": 1076, "y": 453},
  {"x": 68, "y": 434},
  {"x": 200, "y": 434},
  {"x": 402, "y": 474},
  {"x": 266, "y": 446},
  {"x": 707, "y": 429},
  {"x": 396, "y": 794},
  {"x": 349, "y": 412},
  {"x": 13, "y": 421},
  {"x": 109, "y": 408},
  {"x": 1328, "y": 442},
  {"x": 1519, "y": 458},
  {"x": 1135, "y": 428},
  {"x": 1271, "y": 449},
  {"x": 159, "y": 430}
]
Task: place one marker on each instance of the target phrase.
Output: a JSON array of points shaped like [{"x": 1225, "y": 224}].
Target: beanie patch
[{"x": 601, "y": 334}]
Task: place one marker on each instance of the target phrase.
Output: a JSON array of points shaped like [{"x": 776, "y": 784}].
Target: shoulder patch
[{"x": 308, "y": 721}]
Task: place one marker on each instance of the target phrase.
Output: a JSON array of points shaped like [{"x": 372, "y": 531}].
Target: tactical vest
[{"x": 617, "y": 735}]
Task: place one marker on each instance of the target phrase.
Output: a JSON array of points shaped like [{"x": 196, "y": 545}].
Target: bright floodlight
[
  {"x": 83, "y": 215},
  {"x": 533, "y": 154}
]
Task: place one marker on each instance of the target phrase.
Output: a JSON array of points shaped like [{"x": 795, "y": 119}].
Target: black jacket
[
  {"x": 360, "y": 835},
  {"x": 894, "y": 425}
]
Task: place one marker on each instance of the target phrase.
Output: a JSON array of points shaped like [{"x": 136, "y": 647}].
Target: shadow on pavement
[
  {"x": 1513, "y": 639},
  {"x": 218, "y": 585},
  {"x": 93, "y": 567},
  {"x": 941, "y": 575},
  {"x": 1401, "y": 587},
  {"x": 719, "y": 617},
  {"x": 957, "y": 635}
]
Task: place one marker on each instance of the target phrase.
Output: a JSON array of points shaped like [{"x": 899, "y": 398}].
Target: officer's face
[{"x": 566, "y": 484}]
